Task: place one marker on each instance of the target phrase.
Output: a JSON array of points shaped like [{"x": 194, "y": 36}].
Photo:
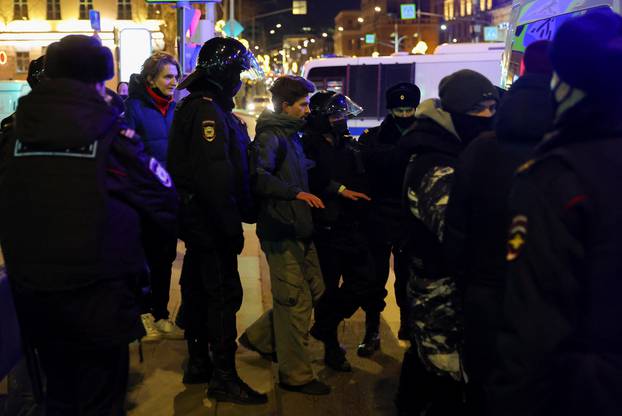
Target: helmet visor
[
  {"x": 251, "y": 68},
  {"x": 342, "y": 104}
]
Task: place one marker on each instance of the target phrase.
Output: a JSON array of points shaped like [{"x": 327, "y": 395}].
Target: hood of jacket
[
  {"x": 65, "y": 113},
  {"x": 137, "y": 88},
  {"x": 431, "y": 109},
  {"x": 269, "y": 121}
]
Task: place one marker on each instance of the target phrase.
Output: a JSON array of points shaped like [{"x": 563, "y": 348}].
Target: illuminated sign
[
  {"x": 491, "y": 33},
  {"x": 299, "y": 7},
  {"x": 3, "y": 58},
  {"x": 370, "y": 38},
  {"x": 408, "y": 11},
  {"x": 134, "y": 49}
]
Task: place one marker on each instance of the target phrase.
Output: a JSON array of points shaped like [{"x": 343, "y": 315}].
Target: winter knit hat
[
  {"x": 461, "y": 91},
  {"x": 79, "y": 57},
  {"x": 537, "y": 59},
  {"x": 587, "y": 54}
]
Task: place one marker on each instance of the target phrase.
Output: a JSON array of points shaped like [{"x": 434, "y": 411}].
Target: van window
[
  {"x": 528, "y": 33},
  {"x": 390, "y": 75},
  {"x": 363, "y": 88},
  {"x": 328, "y": 77}
]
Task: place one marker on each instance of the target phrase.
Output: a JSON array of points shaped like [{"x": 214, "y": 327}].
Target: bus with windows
[
  {"x": 533, "y": 20},
  {"x": 365, "y": 79}
]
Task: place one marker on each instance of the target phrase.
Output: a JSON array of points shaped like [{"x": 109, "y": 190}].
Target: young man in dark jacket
[
  {"x": 339, "y": 178},
  {"x": 432, "y": 365},
  {"x": 285, "y": 229},
  {"x": 207, "y": 157},
  {"x": 385, "y": 169},
  {"x": 561, "y": 345},
  {"x": 476, "y": 220},
  {"x": 73, "y": 203}
]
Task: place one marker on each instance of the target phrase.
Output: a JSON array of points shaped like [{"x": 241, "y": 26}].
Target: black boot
[
  {"x": 371, "y": 342},
  {"x": 334, "y": 355},
  {"x": 226, "y": 385},
  {"x": 199, "y": 369}
]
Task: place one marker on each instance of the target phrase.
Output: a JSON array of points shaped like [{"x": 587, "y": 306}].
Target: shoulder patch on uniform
[
  {"x": 526, "y": 166},
  {"x": 160, "y": 173},
  {"x": 365, "y": 131},
  {"x": 517, "y": 237},
  {"x": 208, "y": 99},
  {"x": 127, "y": 133},
  {"x": 209, "y": 130}
]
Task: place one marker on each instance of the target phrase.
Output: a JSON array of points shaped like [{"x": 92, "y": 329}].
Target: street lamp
[
  {"x": 340, "y": 28},
  {"x": 443, "y": 27},
  {"x": 272, "y": 32},
  {"x": 324, "y": 35},
  {"x": 360, "y": 20},
  {"x": 278, "y": 25},
  {"x": 377, "y": 9}
]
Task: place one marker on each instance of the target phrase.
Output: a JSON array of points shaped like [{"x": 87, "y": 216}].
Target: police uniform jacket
[
  {"x": 560, "y": 347},
  {"x": 208, "y": 161},
  {"x": 73, "y": 202}
]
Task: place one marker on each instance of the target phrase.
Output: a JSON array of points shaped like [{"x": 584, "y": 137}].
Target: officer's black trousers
[
  {"x": 160, "y": 257},
  {"x": 89, "y": 382},
  {"x": 212, "y": 295},
  {"x": 381, "y": 255},
  {"x": 344, "y": 253}
]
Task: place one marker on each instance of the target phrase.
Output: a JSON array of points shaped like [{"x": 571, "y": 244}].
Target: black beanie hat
[
  {"x": 463, "y": 90},
  {"x": 403, "y": 94},
  {"x": 79, "y": 57},
  {"x": 537, "y": 58},
  {"x": 587, "y": 54},
  {"x": 36, "y": 71}
]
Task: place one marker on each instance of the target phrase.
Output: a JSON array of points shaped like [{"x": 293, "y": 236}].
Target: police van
[
  {"x": 535, "y": 20},
  {"x": 10, "y": 91},
  {"x": 365, "y": 79}
]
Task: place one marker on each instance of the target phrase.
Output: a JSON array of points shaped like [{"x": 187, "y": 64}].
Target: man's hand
[
  {"x": 353, "y": 195},
  {"x": 312, "y": 200}
]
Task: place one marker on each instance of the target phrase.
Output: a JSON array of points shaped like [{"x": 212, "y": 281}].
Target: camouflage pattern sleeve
[{"x": 428, "y": 200}]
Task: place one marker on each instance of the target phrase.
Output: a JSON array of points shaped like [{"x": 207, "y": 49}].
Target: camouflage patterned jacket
[{"x": 435, "y": 147}]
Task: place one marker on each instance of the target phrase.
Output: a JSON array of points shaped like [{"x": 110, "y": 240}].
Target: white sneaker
[
  {"x": 168, "y": 329},
  {"x": 153, "y": 334}
]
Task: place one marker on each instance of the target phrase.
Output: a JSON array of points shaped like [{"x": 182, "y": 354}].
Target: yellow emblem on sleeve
[
  {"x": 209, "y": 130},
  {"x": 517, "y": 237},
  {"x": 525, "y": 166}
]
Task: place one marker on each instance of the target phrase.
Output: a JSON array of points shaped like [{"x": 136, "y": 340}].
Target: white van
[
  {"x": 533, "y": 20},
  {"x": 366, "y": 79},
  {"x": 10, "y": 91}
]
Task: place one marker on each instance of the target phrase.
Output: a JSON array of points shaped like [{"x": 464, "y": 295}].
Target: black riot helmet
[
  {"x": 325, "y": 104},
  {"x": 221, "y": 62}
]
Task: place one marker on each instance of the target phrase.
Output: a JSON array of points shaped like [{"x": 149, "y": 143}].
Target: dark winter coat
[
  {"x": 561, "y": 345},
  {"x": 73, "y": 204},
  {"x": 336, "y": 166},
  {"x": 477, "y": 217},
  {"x": 143, "y": 116},
  {"x": 208, "y": 160},
  {"x": 385, "y": 164},
  {"x": 435, "y": 147},
  {"x": 280, "y": 173}
]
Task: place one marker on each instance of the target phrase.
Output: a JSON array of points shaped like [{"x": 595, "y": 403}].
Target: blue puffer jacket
[{"x": 143, "y": 116}]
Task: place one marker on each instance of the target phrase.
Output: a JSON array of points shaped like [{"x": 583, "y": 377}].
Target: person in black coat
[
  {"x": 385, "y": 167},
  {"x": 432, "y": 376},
  {"x": 560, "y": 348},
  {"x": 76, "y": 195},
  {"x": 476, "y": 220},
  {"x": 340, "y": 180},
  {"x": 149, "y": 111},
  {"x": 207, "y": 157}
]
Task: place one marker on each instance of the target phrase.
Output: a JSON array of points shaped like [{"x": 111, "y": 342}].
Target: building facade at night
[{"x": 27, "y": 27}]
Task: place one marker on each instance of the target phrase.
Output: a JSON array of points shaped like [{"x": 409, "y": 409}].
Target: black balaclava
[
  {"x": 469, "y": 127},
  {"x": 339, "y": 128},
  {"x": 404, "y": 122}
]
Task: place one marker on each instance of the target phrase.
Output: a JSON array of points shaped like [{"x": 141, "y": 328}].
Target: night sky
[{"x": 321, "y": 13}]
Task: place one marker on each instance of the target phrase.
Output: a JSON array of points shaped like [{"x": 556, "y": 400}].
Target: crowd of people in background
[{"x": 500, "y": 211}]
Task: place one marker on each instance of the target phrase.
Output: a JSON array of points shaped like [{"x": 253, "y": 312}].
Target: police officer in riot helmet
[
  {"x": 207, "y": 158},
  {"x": 339, "y": 179}
]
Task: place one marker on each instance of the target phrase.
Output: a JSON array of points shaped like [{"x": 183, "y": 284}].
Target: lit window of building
[
  {"x": 482, "y": 5},
  {"x": 462, "y": 7},
  {"x": 489, "y": 4},
  {"x": 22, "y": 60},
  {"x": 124, "y": 10},
  {"x": 85, "y": 7},
  {"x": 469, "y": 7},
  {"x": 20, "y": 10},
  {"x": 53, "y": 10},
  {"x": 449, "y": 9}
]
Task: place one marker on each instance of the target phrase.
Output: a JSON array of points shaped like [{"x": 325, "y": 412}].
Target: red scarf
[{"x": 160, "y": 102}]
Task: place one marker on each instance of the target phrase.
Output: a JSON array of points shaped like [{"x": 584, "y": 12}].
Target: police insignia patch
[
  {"x": 525, "y": 166},
  {"x": 209, "y": 130},
  {"x": 517, "y": 237},
  {"x": 402, "y": 97}
]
